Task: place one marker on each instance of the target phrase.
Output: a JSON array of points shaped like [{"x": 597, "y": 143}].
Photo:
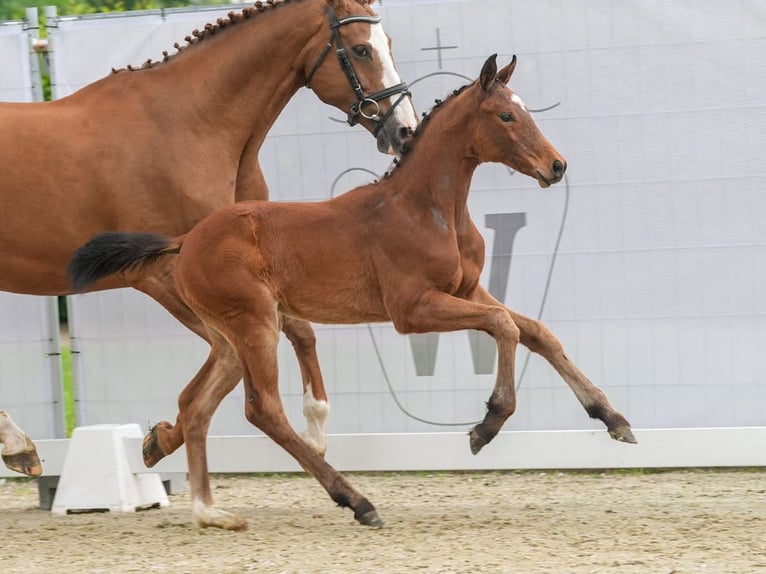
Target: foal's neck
[{"x": 437, "y": 172}]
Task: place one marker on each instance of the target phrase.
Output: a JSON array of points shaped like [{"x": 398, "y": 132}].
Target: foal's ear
[
  {"x": 505, "y": 74},
  {"x": 488, "y": 73}
]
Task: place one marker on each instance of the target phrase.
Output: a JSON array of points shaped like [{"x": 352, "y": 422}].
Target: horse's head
[
  {"x": 362, "y": 79},
  {"x": 506, "y": 132}
]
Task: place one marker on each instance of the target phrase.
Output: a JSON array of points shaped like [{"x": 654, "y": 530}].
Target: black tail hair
[{"x": 111, "y": 252}]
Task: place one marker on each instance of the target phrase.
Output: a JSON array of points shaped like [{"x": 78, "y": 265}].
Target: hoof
[
  {"x": 477, "y": 442},
  {"x": 210, "y": 517},
  {"x": 151, "y": 446},
  {"x": 371, "y": 518},
  {"x": 623, "y": 434},
  {"x": 24, "y": 462}
]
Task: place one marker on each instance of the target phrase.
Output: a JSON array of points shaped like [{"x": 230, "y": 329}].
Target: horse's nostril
[
  {"x": 404, "y": 131},
  {"x": 558, "y": 168}
]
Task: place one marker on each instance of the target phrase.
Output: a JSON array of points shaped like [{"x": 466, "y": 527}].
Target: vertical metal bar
[
  {"x": 48, "y": 305},
  {"x": 33, "y": 31},
  {"x": 54, "y": 378},
  {"x": 51, "y": 26},
  {"x": 78, "y": 370}
]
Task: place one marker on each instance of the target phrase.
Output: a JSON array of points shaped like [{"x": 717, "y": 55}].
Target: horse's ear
[
  {"x": 336, "y": 4},
  {"x": 505, "y": 74},
  {"x": 488, "y": 73}
]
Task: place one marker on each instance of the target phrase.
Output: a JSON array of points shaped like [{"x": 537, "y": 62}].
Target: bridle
[{"x": 362, "y": 100}]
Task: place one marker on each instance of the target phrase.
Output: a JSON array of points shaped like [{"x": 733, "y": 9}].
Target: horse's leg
[
  {"x": 255, "y": 337},
  {"x": 196, "y": 405},
  {"x": 539, "y": 339},
  {"x": 315, "y": 404},
  {"x": 165, "y": 438},
  {"x": 221, "y": 369},
  {"x": 437, "y": 311},
  {"x": 19, "y": 452}
]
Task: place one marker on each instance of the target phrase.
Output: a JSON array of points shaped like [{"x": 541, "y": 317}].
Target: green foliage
[{"x": 16, "y": 9}]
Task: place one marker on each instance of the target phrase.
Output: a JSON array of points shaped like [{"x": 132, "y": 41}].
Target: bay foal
[{"x": 403, "y": 250}]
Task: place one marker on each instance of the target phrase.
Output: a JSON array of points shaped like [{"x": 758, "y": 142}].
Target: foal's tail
[{"x": 112, "y": 252}]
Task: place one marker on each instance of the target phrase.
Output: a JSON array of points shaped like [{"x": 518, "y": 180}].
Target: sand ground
[{"x": 517, "y": 522}]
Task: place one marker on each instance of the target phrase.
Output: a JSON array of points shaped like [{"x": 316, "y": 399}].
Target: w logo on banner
[{"x": 483, "y": 347}]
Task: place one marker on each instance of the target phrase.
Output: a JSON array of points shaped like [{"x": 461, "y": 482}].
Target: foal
[{"x": 403, "y": 250}]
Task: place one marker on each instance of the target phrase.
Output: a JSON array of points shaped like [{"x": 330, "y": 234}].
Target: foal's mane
[{"x": 410, "y": 143}]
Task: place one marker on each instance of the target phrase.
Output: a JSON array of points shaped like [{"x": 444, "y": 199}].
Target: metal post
[
  {"x": 33, "y": 28},
  {"x": 51, "y": 332},
  {"x": 51, "y": 26},
  {"x": 78, "y": 370}
]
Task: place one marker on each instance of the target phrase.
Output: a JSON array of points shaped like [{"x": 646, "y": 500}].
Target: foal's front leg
[
  {"x": 440, "y": 312},
  {"x": 539, "y": 339}
]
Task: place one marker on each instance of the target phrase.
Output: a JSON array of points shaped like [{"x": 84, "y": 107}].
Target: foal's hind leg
[
  {"x": 255, "y": 336},
  {"x": 221, "y": 369},
  {"x": 196, "y": 410},
  {"x": 315, "y": 404},
  {"x": 539, "y": 339},
  {"x": 165, "y": 438}
]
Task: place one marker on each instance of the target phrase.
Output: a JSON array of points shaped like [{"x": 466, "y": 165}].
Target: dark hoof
[
  {"x": 371, "y": 518},
  {"x": 623, "y": 434},
  {"x": 24, "y": 462},
  {"x": 477, "y": 441},
  {"x": 151, "y": 446}
]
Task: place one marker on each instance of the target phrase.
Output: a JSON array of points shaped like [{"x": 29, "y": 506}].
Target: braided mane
[
  {"x": 408, "y": 145},
  {"x": 209, "y": 29}
]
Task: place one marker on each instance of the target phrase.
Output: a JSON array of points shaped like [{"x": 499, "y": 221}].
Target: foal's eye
[
  {"x": 506, "y": 117},
  {"x": 362, "y": 51}
]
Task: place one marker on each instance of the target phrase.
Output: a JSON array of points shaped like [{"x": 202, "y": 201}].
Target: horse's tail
[{"x": 112, "y": 252}]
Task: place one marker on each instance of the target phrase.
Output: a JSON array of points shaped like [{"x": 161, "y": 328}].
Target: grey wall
[{"x": 657, "y": 286}]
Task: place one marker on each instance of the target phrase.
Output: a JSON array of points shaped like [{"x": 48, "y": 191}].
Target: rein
[{"x": 362, "y": 100}]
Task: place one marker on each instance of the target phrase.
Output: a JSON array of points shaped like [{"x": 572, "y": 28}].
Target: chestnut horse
[
  {"x": 160, "y": 147},
  {"x": 403, "y": 250},
  {"x": 19, "y": 452}
]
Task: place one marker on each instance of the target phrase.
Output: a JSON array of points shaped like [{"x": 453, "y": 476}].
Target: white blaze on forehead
[
  {"x": 518, "y": 101},
  {"x": 404, "y": 112}
]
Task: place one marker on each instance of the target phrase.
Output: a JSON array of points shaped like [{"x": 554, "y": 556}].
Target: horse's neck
[
  {"x": 242, "y": 76},
  {"x": 437, "y": 172}
]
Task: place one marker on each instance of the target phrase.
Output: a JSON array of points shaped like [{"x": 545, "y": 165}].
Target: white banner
[{"x": 649, "y": 259}]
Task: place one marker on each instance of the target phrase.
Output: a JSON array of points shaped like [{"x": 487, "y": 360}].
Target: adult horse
[
  {"x": 19, "y": 452},
  {"x": 403, "y": 250},
  {"x": 159, "y": 147}
]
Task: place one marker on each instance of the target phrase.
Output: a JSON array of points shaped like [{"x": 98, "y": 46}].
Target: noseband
[{"x": 362, "y": 100}]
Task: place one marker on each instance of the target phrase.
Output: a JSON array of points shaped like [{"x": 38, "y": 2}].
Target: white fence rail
[
  {"x": 658, "y": 291},
  {"x": 511, "y": 450}
]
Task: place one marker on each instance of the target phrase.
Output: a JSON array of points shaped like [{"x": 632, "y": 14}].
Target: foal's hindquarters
[{"x": 242, "y": 316}]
